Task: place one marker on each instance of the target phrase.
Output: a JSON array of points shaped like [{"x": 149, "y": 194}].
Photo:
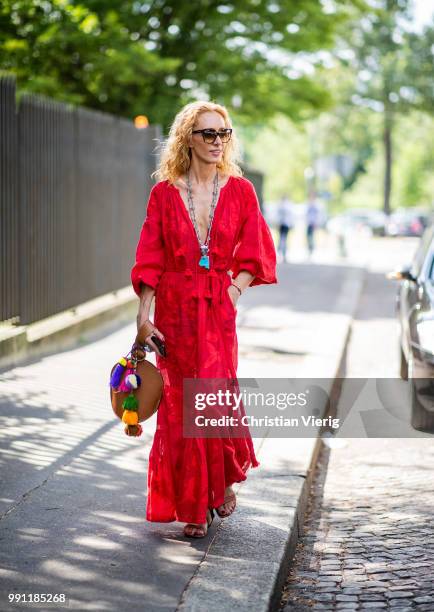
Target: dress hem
[{"x": 196, "y": 520}]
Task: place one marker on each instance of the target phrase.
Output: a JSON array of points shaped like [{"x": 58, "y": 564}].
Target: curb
[
  {"x": 248, "y": 559},
  {"x": 68, "y": 329}
]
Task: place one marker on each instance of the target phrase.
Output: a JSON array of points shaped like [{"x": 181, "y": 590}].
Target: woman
[{"x": 183, "y": 258}]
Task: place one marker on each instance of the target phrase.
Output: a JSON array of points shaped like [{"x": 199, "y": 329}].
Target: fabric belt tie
[{"x": 208, "y": 295}]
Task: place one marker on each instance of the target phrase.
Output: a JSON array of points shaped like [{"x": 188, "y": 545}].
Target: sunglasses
[{"x": 210, "y": 136}]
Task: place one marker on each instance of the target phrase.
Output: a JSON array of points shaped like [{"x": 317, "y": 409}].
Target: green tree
[
  {"x": 280, "y": 149},
  {"x": 394, "y": 68},
  {"x": 152, "y": 57},
  {"x": 413, "y": 174},
  {"x": 72, "y": 54}
]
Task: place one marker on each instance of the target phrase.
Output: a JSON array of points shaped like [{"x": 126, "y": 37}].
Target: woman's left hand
[{"x": 234, "y": 295}]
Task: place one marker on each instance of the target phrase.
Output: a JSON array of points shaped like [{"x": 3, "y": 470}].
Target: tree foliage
[
  {"x": 151, "y": 57},
  {"x": 393, "y": 66}
]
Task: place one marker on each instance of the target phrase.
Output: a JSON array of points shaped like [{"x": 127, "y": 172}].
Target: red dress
[{"x": 195, "y": 313}]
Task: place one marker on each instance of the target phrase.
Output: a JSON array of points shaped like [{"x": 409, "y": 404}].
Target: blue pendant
[{"x": 204, "y": 261}]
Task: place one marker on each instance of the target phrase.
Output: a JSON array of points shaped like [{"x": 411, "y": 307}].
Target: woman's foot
[
  {"x": 199, "y": 530},
  {"x": 229, "y": 504}
]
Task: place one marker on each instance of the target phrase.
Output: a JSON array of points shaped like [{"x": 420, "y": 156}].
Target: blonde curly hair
[{"x": 175, "y": 154}]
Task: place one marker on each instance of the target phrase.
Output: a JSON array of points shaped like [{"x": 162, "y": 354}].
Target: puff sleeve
[
  {"x": 149, "y": 264},
  {"x": 254, "y": 250}
]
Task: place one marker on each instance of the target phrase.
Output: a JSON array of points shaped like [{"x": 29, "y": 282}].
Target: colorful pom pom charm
[
  {"x": 124, "y": 386},
  {"x": 116, "y": 377},
  {"x": 132, "y": 381},
  {"x": 133, "y": 430},
  {"x": 124, "y": 379},
  {"x": 130, "y": 403},
  {"x": 130, "y": 417}
]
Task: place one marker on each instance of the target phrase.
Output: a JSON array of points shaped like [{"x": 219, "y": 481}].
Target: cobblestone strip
[{"x": 368, "y": 536}]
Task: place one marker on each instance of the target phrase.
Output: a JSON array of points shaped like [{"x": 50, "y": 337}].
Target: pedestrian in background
[
  {"x": 312, "y": 221},
  {"x": 285, "y": 217}
]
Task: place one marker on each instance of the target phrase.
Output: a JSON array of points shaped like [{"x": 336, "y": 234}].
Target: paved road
[{"x": 368, "y": 538}]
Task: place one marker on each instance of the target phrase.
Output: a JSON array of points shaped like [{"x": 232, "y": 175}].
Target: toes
[
  {"x": 194, "y": 530},
  {"x": 227, "y": 508}
]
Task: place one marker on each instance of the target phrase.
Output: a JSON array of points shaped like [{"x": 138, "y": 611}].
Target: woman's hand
[
  {"x": 234, "y": 294},
  {"x": 241, "y": 282},
  {"x": 155, "y": 332},
  {"x": 145, "y": 332}
]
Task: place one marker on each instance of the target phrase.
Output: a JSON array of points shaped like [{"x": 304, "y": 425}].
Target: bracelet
[{"x": 239, "y": 290}]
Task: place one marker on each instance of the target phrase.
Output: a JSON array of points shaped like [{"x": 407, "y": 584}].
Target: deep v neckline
[{"x": 217, "y": 207}]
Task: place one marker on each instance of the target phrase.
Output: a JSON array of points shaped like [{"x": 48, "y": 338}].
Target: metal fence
[
  {"x": 74, "y": 185},
  {"x": 9, "y": 211},
  {"x": 73, "y": 191}
]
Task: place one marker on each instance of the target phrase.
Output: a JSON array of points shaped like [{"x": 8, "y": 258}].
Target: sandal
[
  {"x": 198, "y": 531},
  {"x": 228, "y": 498}
]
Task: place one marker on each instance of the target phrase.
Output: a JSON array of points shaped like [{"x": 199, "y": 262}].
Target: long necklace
[{"x": 204, "y": 246}]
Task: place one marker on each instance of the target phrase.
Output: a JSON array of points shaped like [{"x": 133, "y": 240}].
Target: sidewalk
[
  {"x": 73, "y": 486},
  {"x": 368, "y": 538}
]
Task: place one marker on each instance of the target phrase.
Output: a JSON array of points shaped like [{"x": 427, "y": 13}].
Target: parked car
[
  {"x": 374, "y": 219},
  {"x": 407, "y": 223},
  {"x": 415, "y": 311},
  {"x": 356, "y": 219}
]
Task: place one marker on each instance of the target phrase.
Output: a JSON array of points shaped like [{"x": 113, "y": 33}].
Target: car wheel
[
  {"x": 421, "y": 418},
  {"x": 403, "y": 367}
]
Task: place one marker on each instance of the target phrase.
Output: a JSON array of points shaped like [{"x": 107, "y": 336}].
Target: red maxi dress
[{"x": 195, "y": 313}]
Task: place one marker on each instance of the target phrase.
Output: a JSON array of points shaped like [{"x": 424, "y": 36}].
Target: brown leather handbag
[{"x": 136, "y": 385}]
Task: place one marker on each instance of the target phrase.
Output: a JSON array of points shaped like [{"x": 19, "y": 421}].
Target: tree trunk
[{"x": 387, "y": 138}]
